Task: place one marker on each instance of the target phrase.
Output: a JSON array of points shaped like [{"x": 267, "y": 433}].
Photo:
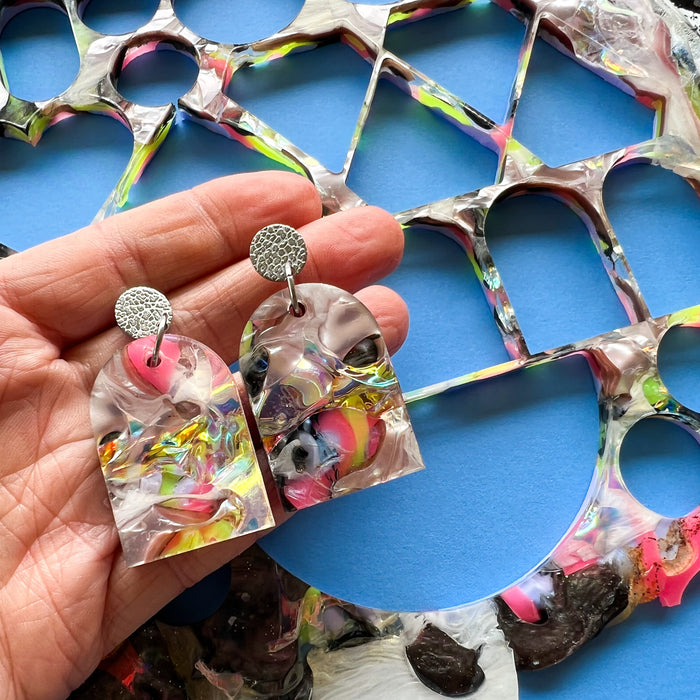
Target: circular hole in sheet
[
  {"x": 157, "y": 72},
  {"x": 39, "y": 53},
  {"x": 660, "y": 463},
  {"x": 679, "y": 364},
  {"x": 237, "y": 21}
]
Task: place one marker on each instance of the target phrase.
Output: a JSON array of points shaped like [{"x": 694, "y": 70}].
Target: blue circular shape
[
  {"x": 237, "y": 22},
  {"x": 39, "y": 52},
  {"x": 660, "y": 464},
  {"x": 158, "y": 77}
]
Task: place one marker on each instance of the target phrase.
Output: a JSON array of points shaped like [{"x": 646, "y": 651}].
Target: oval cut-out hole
[
  {"x": 40, "y": 56},
  {"x": 450, "y": 317},
  {"x": 551, "y": 272},
  {"x": 110, "y": 17},
  {"x": 660, "y": 463},
  {"x": 158, "y": 76},
  {"x": 656, "y": 215},
  {"x": 237, "y": 21},
  {"x": 508, "y": 464},
  {"x": 679, "y": 364},
  {"x": 403, "y": 136}
]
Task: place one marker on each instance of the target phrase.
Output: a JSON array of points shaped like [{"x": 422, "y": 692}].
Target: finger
[
  {"x": 350, "y": 250},
  {"x": 391, "y": 313},
  {"x": 68, "y": 286}
]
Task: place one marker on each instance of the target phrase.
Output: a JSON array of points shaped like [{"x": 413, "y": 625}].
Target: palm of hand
[{"x": 66, "y": 596}]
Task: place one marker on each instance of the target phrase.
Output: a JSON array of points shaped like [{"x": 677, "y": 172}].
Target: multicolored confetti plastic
[
  {"x": 175, "y": 450},
  {"x": 325, "y": 397}
]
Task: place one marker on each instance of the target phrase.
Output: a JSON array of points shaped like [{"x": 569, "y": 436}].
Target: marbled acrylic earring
[
  {"x": 321, "y": 384},
  {"x": 173, "y": 443}
]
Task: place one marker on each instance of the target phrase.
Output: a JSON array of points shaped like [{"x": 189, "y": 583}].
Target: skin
[{"x": 66, "y": 596}]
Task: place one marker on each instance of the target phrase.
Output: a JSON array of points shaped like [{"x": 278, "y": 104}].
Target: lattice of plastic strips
[{"x": 616, "y": 553}]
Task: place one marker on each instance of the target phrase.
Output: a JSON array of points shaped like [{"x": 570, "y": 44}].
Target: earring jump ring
[
  {"x": 154, "y": 359},
  {"x": 295, "y": 307}
]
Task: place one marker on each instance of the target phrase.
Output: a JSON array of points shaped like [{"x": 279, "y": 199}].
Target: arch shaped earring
[
  {"x": 321, "y": 385},
  {"x": 173, "y": 443}
]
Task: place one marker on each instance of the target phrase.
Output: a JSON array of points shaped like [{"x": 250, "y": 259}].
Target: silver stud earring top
[
  {"x": 140, "y": 311},
  {"x": 276, "y": 247}
]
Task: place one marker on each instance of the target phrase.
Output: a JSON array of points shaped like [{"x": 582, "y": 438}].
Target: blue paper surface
[{"x": 507, "y": 462}]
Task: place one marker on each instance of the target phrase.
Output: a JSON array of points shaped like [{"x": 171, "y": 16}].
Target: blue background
[{"x": 508, "y": 462}]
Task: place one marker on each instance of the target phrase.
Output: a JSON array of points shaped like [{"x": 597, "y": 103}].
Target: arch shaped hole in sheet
[
  {"x": 508, "y": 463},
  {"x": 449, "y": 316},
  {"x": 656, "y": 216},
  {"x": 551, "y": 271}
]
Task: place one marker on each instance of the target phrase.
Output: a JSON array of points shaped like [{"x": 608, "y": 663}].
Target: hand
[{"x": 66, "y": 596}]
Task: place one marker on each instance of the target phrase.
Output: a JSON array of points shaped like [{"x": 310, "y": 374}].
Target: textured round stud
[
  {"x": 273, "y": 247},
  {"x": 140, "y": 310}
]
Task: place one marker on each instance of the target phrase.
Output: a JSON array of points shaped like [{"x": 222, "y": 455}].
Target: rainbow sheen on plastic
[
  {"x": 175, "y": 450},
  {"x": 325, "y": 397}
]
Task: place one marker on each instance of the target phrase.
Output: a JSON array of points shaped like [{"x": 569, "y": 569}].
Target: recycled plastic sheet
[
  {"x": 175, "y": 450},
  {"x": 325, "y": 396},
  {"x": 617, "y": 553}
]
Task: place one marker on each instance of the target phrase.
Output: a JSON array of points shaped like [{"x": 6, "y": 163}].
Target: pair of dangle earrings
[{"x": 177, "y": 453}]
